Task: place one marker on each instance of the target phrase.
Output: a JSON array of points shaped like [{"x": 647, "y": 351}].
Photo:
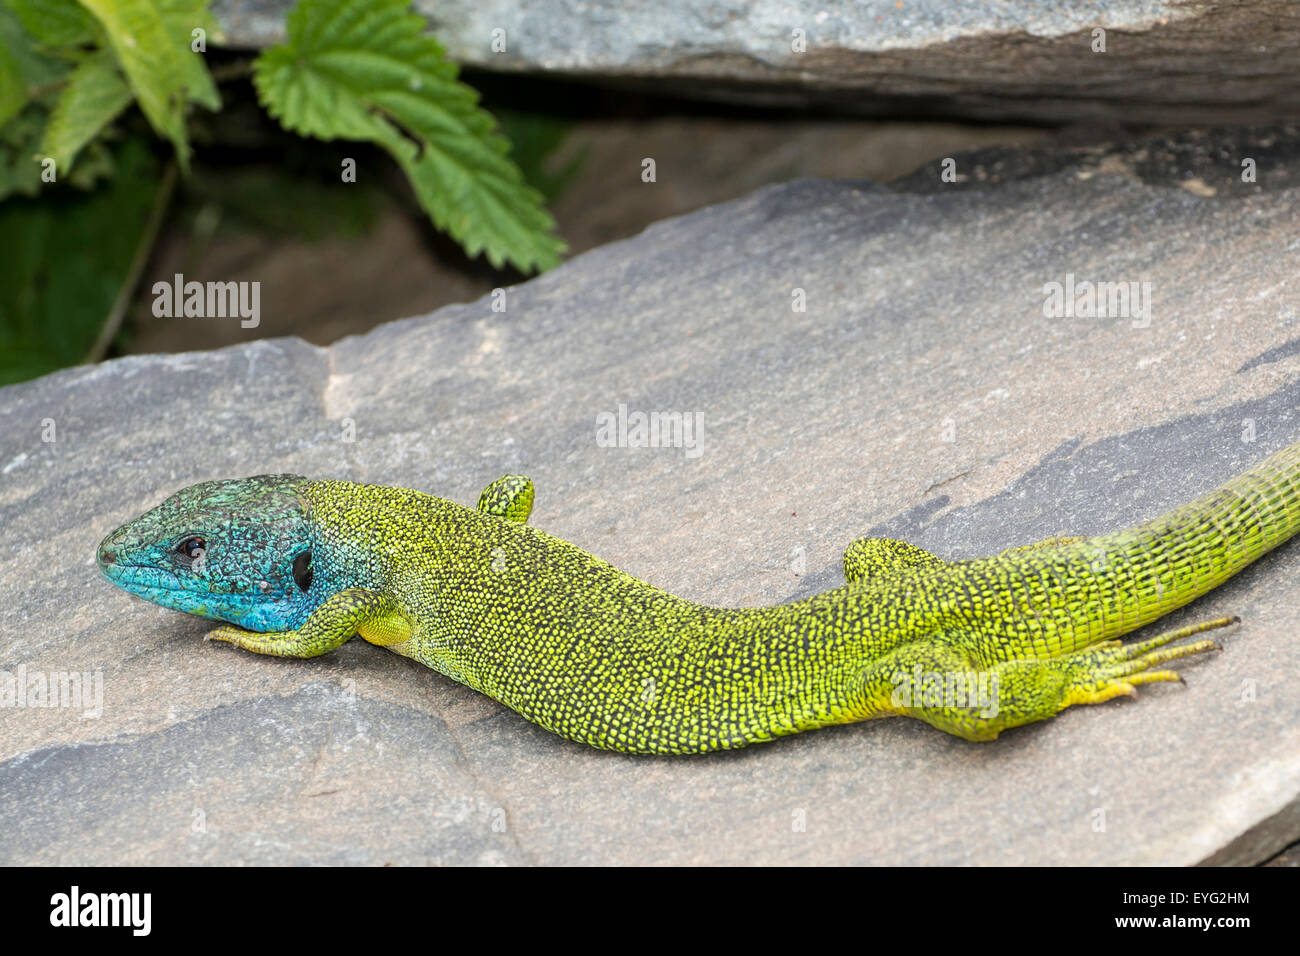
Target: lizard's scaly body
[{"x": 595, "y": 655}]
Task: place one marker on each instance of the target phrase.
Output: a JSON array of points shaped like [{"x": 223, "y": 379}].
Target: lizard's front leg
[{"x": 373, "y": 614}]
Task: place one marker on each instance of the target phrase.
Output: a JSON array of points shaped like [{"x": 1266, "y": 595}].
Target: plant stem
[{"x": 232, "y": 71}]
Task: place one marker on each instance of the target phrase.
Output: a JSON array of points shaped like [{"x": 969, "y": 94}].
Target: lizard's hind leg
[
  {"x": 509, "y": 497},
  {"x": 941, "y": 683},
  {"x": 879, "y": 557}
]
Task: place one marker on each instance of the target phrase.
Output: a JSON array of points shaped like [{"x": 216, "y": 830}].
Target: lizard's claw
[{"x": 1116, "y": 670}]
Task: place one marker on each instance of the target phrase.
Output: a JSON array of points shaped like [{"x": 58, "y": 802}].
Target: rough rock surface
[
  {"x": 1166, "y": 61},
  {"x": 922, "y": 392}
]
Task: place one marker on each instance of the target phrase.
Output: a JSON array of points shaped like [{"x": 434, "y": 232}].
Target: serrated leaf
[
  {"x": 93, "y": 96},
  {"x": 182, "y": 18},
  {"x": 365, "y": 70},
  {"x": 55, "y": 22},
  {"x": 153, "y": 51}
]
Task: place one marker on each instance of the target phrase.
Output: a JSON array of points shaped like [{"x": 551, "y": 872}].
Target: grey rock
[
  {"x": 1166, "y": 61},
  {"x": 923, "y": 392},
  {"x": 1288, "y": 857}
]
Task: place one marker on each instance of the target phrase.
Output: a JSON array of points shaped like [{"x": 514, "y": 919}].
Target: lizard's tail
[{"x": 1173, "y": 559}]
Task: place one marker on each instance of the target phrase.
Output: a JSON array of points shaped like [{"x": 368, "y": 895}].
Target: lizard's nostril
[{"x": 107, "y": 557}]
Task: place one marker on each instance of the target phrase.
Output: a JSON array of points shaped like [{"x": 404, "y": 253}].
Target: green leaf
[
  {"x": 183, "y": 17},
  {"x": 535, "y": 139},
  {"x": 72, "y": 252},
  {"x": 153, "y": 49},
  {"x": 13, "y": 91},
  {"x": 287, "y": 200},
  {"x": 55, "y": 22},
  {"x": 365, "y": 70},
  {"x": 93, "y": 96},
  {"x": 20, "y": 171},
  {"x": 23, "y": 68},
  {"x": 94, "y": 163}
]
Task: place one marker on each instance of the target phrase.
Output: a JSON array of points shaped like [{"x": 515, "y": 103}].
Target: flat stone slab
[
  {"x": 1165, "y": 61},
  {"x": 922, "y": 392}
]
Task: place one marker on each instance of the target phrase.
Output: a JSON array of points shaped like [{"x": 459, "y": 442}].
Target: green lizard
[{"x": 595, "y": 655}]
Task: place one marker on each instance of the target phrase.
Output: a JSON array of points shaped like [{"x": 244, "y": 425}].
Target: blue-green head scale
[{"x": 242, "y": 551}]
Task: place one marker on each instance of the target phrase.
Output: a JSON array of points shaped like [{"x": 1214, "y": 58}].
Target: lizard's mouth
[
  {"x": 139, "y": 578},
  {"x": 135, "y": 577},
  {"x": 167, "y": 589}
]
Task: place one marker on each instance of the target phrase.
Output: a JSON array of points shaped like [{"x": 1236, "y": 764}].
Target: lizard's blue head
[{"x": 238, "y": 551}]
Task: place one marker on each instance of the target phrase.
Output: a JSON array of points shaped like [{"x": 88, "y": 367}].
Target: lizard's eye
[
  {"x": 302, "y": 570},
  {"x": 192, "y": 547}
]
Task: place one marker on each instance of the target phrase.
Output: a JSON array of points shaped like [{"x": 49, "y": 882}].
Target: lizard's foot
[
  {"x": 229, "y": 634},
  {"x": 1115, "y": 669},
  {"x": 941, "y": 682},
  {"x": 272, "y": 643}
]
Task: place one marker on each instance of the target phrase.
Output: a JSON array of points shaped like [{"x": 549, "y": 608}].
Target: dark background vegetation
[{"x": 335, "y": 259}]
